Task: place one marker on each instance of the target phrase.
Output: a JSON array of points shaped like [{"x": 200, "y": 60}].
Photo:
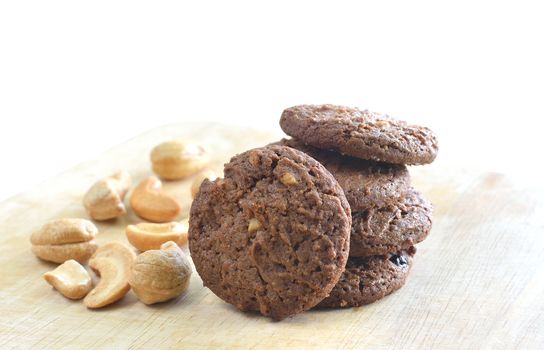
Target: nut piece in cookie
[
  {"x": 288, "y": 179},
  {"x": 270, "y": 242},
  {"x": 360, "y": 133}
]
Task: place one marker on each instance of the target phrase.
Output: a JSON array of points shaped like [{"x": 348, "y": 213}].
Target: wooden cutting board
[{"x": 477, "y": 282}]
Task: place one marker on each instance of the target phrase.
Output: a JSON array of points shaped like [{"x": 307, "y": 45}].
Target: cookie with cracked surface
[
  {"x": 398, "y": 225},
  {"x": 360, "y": 133},
  {"x": 273, "y": 234},
  {"x": 369, "y": 279},
  {"x": 366, "y": 183}
]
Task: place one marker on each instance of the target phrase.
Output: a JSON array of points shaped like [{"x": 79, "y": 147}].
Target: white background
[{"x": 79, "y": 77}]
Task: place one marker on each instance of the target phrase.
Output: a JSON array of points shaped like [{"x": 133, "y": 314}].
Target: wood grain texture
[{"x": 477, "y": 282}]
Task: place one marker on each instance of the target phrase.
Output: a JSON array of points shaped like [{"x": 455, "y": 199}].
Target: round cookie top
[
  {"x": 360, "y": 133},
  {"x": 390, "y": 228},
  {"x": 273, "y": 235},
  {"x": 366, "y": 183},
  {"x": 369, "y": 279}
]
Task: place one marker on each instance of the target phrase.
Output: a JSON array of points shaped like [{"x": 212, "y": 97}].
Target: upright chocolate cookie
[
  {"x": 369, "y": 279},
  {"x": 273, "y": 235},
  {"x": 361, "y": 134},
  {"x": 366, "y": 183},
  {"x": 398, "y": 225}
]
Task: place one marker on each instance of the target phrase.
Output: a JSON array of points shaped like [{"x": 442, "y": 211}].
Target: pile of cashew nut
[{"x": 162, "y": 270}]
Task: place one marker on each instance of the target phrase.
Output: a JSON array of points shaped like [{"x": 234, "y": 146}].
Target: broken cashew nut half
[
  {"x": 64, "y": 239},
  {"x": 70, "y": 279},
  {"x": 112, "y": 263},
  {"x": 151, "y": 203},
  {"x": 160, "y": 275},
  {"x": 104, "y": 200},
  {"x": 148, "y": 236}
]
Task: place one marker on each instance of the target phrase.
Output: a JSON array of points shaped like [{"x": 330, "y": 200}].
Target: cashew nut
[
  {"x": 288, "y": 179},
  {"x": 254, "y": 225},
  {"x": 104, "y": 200},
  {"x": 160, "y": 275},
  {"x": 151, "y": 203},
  {"x": 70, "y": 279},
  {"x": 195, "y": 187},
  {"x": 174, "y": 160},
  {"x": 112, "y": 262},
  {"x": 64, "y": 239},
  {"x": 147, "y": 236}
]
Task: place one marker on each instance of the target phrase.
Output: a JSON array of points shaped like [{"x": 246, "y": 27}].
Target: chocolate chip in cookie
[{"x": 369, "y": 279}]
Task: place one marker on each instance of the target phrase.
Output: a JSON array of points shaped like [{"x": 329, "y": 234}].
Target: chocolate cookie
[
  {"x": 361, "y": 134},
  {"x": 273, "y": 235},
  {"x": 396, "y": 226},
  {"x": 369, "y": 279},
  {"x": 366, "y": 183}
]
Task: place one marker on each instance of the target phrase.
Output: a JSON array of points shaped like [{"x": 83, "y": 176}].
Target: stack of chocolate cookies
[
  {"x": 325, "y": 219},
  {"x": 367, "y": 153}
]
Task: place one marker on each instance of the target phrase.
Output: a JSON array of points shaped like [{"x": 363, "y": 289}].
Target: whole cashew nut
[
  {"x": 151, "y": 203},
  {"x": 174, "y": 160},
  {"x": 64, "y": 239},
  {"x": 147, "y": 236},
  {"x": 112, "y": 262}
]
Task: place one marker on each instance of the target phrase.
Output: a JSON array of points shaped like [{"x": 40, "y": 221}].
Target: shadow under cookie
[{"x": 365, "y": 183}]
